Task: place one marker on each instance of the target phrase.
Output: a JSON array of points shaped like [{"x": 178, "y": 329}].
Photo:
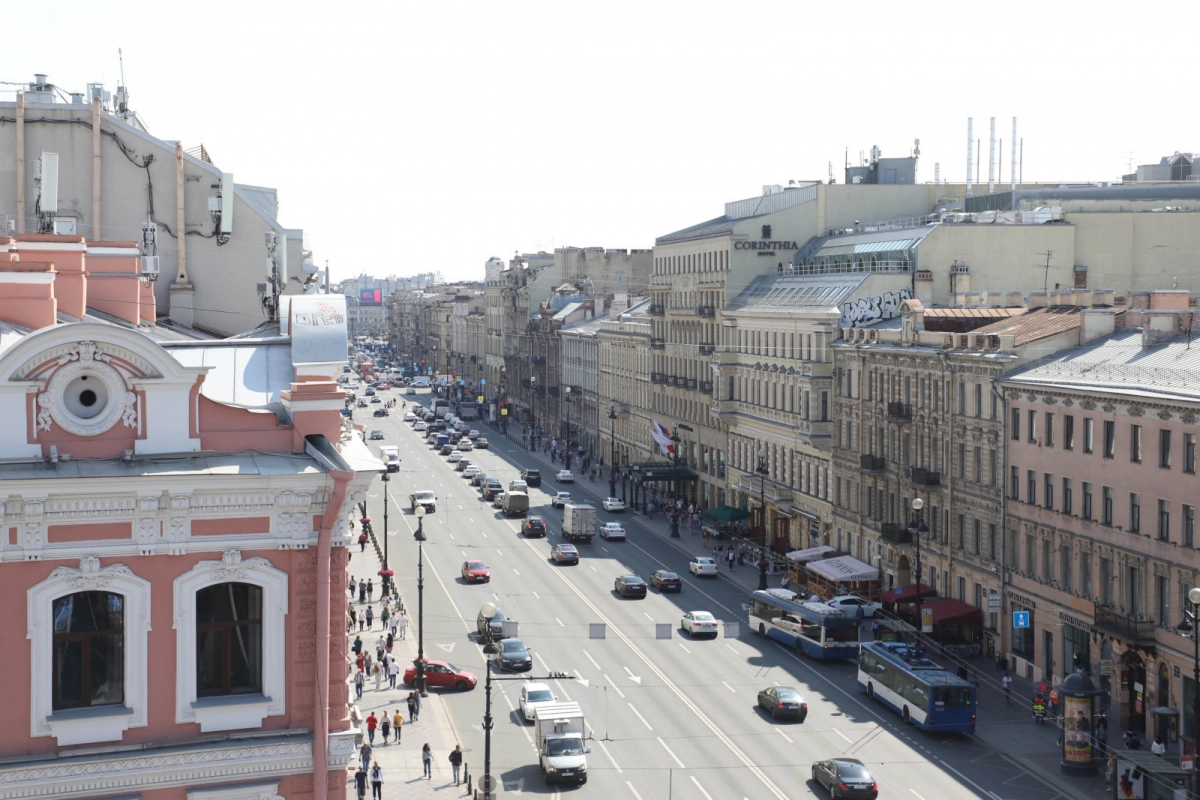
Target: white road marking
[
  {"x": 731, "y": 647},
  {"x": 498, "y": 550},
  {"x": 914, "y": 791},
  {"x": 484, "y": 533},
  {"x": 844, "y": 736},
  {"x": 589, "y": 658},
  {"x": 614, "y": 686},
  {"x": 451, "y": 534},
  {"x": 605, "y": 549},
  {"x": 535, "y": 595},
  {"x": 647, "y": 616},
  {"x": 727, "y": 686},
  {"x": 608, "y": 755},
  {"x": 639, "y": 716},
  {"x": 559, "y": 621},
  {"x": 784, "y": 735},
  {"x": 635, "y": 794},
  {"x": 464, "y": 552},
  {"x": 700, "y": 788},
  {"x": 681, "y": 644},
  {"x": 635, "y": 678},
  {"x": 542, "y": 661},
  {"x": 516, "y": 573},
  {"x": 669, "y": 752},
  {"x": 593, "y": 569}
]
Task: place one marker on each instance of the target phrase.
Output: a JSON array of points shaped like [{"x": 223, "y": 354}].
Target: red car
[
  {"x": 443, "y": 675},
  {"x": 475, "y": 572}
]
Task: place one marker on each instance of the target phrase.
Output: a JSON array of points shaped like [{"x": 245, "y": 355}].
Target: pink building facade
[
  {"x": 174, "y": 540},
  {"x": 1100, "y": 508}
]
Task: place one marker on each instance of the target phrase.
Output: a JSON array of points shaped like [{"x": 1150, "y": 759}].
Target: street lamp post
[
  {"x": 1191, "y": 625},
  {"x": 918, "y": 528},
  {"x": 533, "y": 409},
  {"x": 612, "y": 466},
  {"x": 762, "y": 471},
  {"x": 567, "y": 437},
  {"x": 420, "y": 537},
  {"x": 674, "y": 513},
  {"x": 387, "y": 579},
  {"x": 490, "y": 651}
]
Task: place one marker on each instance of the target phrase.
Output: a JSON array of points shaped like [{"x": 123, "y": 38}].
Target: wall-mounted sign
[{"x": 780, "y": 245}]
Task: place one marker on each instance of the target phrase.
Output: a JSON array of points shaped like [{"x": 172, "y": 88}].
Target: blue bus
[
  {"x": 814, "y": 629},
  {"x": 922, "y": 692}
]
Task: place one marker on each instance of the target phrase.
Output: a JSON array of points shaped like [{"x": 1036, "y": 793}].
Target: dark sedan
[
  {"x": 783, "y": 702},
  {"x": 534, "y": 527},
  {"x": 514, "y": 656},
  {"x": 630, "y": 586},
  {"x": 666, "y": 581},
  {"x": 845, "y": 777},
  {"x": 564, "y": 554}
]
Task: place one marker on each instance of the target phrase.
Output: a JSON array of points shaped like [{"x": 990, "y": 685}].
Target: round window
[{"x": 86, "y": 396}]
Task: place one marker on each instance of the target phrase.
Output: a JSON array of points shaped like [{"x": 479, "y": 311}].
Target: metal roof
[
  {"x": 249, "y": 375},
  {"x": 782, "y": 292},
  {"x": 239, "y": 465},
  {"x": 855, "y": 243},
  {"x": 719, "y": 226}
]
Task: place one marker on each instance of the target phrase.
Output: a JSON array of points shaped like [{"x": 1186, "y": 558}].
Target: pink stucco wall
[
  {"x": 229, "y": 430},
  {"x": 89, "y": 532},
  {"x": 70, "y": 284}
]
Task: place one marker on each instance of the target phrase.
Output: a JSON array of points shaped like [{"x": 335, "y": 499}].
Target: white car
[
  {"x": 518, "y": 486},
  {"x": 421, "y": 425},
  {"x": 699, "y": 623},
  {"x": 471, "y": 471},
  {"x": 455, "y": 455},
  {"x": 702, "y": 565},
  {"x": 612, "y": 504},
  {"x": 855, "y": 606},
  {"x": 565, "y": 476},
  {"x": 534, "y": 695},
  {"x": 410, "y": 417},
  {"x": 560, "y": 499},
  {"x": 465, "y": 445},
  {"x": 612, "y": 530}
]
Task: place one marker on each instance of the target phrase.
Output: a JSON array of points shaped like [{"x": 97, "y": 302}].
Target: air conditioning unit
[{"x": 150, "y": 267}]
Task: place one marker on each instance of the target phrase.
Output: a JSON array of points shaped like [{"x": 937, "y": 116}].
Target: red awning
[
  {"x": 906, "y": 594},
  {"x": 948, "y": 611}
]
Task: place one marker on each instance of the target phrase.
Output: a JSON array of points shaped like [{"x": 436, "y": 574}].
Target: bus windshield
[
  {"x": 841, "y": 634},
  {"x": 952, "y": 698}
]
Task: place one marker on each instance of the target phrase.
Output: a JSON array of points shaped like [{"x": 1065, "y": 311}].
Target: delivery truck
[
  {"x": 515, "y": 504},
  {"x": 390, "y": 456},
  {"x": 558, "y": 733},
  {"x": 579, "y": 522}
]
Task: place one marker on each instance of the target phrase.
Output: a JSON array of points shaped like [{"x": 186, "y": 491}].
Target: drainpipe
[
  {"x": 341, "y": 484},
  {"x": 1003, "y": 516},
  {"x": 20, "y": 162},
  {"x": 97, "y": 231}
]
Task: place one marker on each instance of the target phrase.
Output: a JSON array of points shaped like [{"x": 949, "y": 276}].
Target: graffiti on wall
[{"x": 871, "y": 309}]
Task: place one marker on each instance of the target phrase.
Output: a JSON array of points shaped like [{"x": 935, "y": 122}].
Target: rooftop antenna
[{"x": 1046, "y": 268}]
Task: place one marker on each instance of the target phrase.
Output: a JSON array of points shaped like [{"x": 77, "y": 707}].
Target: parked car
[
  {"x": 534, "y": 695},
  {"x": 481, "y": 443},
  {"x": 560, "y": 499},
  {"x": 533, "y": 527},
  {"x": 855, "y": 606},
  {"x": 703, "y": 565},
  {"x": 783, "y": 702},
  {"x": 666, "y": 581},
  {"x": 442, "y": 674},
  {"x": 699, "y": 623},
  {"x": 612, "y": 530},
  {"x": 377, "y": 434},
  {"x": 531, "y": 477},
  {"x": 565, "y": 476},
  {"x": 612, "y": 504},
  {"x": 476, "y": 572},
  {"x": 630, "y": 586},
  {"x": 845, "y": 778},
  {"x": 564, "y": 554}
]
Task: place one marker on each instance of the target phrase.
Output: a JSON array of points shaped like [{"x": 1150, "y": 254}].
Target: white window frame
[
  {"x": 233, "y": 712},
  {"x": 96, "y": 723}
]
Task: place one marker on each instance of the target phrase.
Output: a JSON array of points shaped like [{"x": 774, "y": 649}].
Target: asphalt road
[{"x": 669, "y": 718}]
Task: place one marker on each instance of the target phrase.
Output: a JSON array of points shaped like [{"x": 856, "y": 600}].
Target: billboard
[{"x": 371, "y": 297}]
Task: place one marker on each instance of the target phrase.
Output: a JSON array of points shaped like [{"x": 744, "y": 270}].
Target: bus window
[
  {"x": 841, "y": 635},
  {"x": 952, "y": 698}
]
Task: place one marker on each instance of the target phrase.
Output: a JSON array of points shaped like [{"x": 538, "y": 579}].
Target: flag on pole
[{"x": 662, "y": 437}]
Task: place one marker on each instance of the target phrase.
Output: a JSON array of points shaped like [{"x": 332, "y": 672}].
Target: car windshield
[
  {"x": 540, "y": 696},
  {"x": 705, "y": 561},
  {"x": 852, "y": 771},
  {"x": 564, "y": 747},
  {"x": 513, "y": 646},
  {"x": 451, "y": 668},
  {"x": 703, "y": 616},
  {"x": 476, "y": 565}
]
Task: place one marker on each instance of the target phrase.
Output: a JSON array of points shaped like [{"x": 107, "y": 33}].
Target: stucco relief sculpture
[
  {"x": 129, "y": 416},
  {"x": 44, "y": 418}
]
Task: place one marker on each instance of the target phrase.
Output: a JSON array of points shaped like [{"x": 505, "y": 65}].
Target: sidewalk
[
  {"x": 1008, "y": 728},
  {"x": 401, "y": 763}
]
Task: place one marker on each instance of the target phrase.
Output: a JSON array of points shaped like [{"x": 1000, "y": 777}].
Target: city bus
[
  {"x": 814, "y": 629},
  {"x": 922, "y": 692}
]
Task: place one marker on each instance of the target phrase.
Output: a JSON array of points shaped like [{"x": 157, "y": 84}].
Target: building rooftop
[
  {"x": 775, "y": 293},
  {"x": 865, "y": 245},
  {"x": 1034, "y": 324}
]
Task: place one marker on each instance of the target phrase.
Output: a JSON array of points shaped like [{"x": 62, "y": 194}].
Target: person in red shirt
[{"x": 372, "y": 722}]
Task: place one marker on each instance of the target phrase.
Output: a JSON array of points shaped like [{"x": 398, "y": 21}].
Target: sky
[{"x": 407, "y": 137}]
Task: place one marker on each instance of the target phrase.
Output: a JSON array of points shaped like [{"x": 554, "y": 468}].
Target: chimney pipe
[
  {"x": 1013, "y": 176},
  {"x": 992, "y": 159},
  {"x": 970, "y": 152}
]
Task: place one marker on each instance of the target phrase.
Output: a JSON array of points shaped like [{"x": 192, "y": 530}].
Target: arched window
[
  {"x": 89, "y": 650},
  {"x": 228, "y": 639}
]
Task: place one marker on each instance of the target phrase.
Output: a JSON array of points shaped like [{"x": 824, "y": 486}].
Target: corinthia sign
[{"x": 780, "y": 245}]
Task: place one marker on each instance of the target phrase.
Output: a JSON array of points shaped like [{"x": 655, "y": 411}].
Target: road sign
[
  {"x": 1106, "y": 667},
  {"x": 483, "y": 381},
  {"x": 994, "y": 603},
  {"x": 1020, "y": 619},
  {"x": 479, "y": 399}
]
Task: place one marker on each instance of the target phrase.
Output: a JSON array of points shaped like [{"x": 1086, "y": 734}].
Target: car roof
[
  {"x": 848, "y": 761},
  {"x": 630, "y": 578},
  {"x": 535, "y": 687},
  {"x": 565, "y": 546}
]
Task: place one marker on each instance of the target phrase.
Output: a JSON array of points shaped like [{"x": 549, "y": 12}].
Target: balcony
[
  {"x": 871, "y": 463},
  {"x": 1137, "y": 632},
  {"x": 657, "y": 309},
  {"x": 674, "y": 380},
  {"x": 707, "y": 349},
  {"x": 901, "y": 412},
  {"x": 895, "y": 533},
  {"x": 755, "y": 486},
  {"x": 691, "y": 383},
  {"x": 706, "y": 387},
  {"x": 706, "y": 311},
  {"x": 658, "y": 377},
  {"x": 658, "y": 344},
  {"x": 925, "y": 477}
]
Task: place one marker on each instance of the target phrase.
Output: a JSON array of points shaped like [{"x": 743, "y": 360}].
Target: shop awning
[
  {"x": 843, "y": 568},
  {"x": 905, "y": 594},
  {"x": 811, "y": 554},
  {"x": 726, "y": 514},
  {"x": 948, "y": 611}
]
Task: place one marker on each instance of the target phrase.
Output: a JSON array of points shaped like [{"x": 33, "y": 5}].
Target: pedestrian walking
[
  {"x": 397, "y": 724},
  {"x": 412, "y": 705},
  {"x": 1131, "y": 740},
  {"x": 376, "y": 782},
  {"x": 357, "y": 646},
  {"x": 704, "y": 538},
  {"x": 384, "y": 616},
  {"x": 362, "y": 592},
  {"x": 352, "y": 586},
  {"x": 370, "y": 616},
  {"x": 359, "y": 679},
  {"x": 416, "y": 706},
  {"x": 364, "y": 753},
  {"x": 1102, "y": 735},
  {"x": 395, "y": 623},
  {"x": 380, "y": 671},
  {"x": 427, "y": 761},
  {"x": 360, "y": 783},
  {"x": 372, "y": 724},
  {"x": 403, "y": 623},
  {"x": 875, "y": 630},
  {"x": 370, "y": 590},
  {"x": 387, "y": 643},
  {"x": 456, "y": 761},
  {"x": 1006, "y": 682},
  {"x": 362, "y": 542},
  {"x": 393, "y": 673},
  {"x": 1158, "y": 748},
  {"x": 729, "y": 558},
  {"x": 385, "y": 727}
]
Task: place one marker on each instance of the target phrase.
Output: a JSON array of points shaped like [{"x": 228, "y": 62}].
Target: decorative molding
[
  {"x": 75, "y": 507},
  {"x": 1136, "y": 411},
  {"x": 101, "y": 774},
  {"x": 1088, "y": 404},
  {"x": 114, "y": 389},
  {"x": 1187, "y": 418},
  {"x": 1164, "y": 415},
  {"x": 1068, "y": 402},
  {"x": 85, "y": 352},
  {"x": 274, "y": 583},
  {"x": 259, "y": 790},
  {"x": 1108, "y": 408},
  {"x": 90, "y": 576}
]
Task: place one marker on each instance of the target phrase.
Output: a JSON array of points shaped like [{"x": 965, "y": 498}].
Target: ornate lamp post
[
  {"x": 420, "y": 537},
  {"x": 1189, "y": 625},
  {"x": 490, "y": 650},
  {"x": 612, "y": 466},
  {"x": 567, "y": 435},
  {"x": 386, "y": 572},
  {"x": 762, "y": 472},
  {"x": 918, "y": 529}
]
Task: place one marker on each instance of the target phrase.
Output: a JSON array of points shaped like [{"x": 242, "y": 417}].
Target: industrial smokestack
[
  {"x": 992, "y": 159},
  {"x": 970, "y": 152},
  {"x": 1014, "y": 161}
]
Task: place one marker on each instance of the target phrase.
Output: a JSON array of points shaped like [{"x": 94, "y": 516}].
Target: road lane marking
[
  {"x": 589, "y": 658},
  {"x": 647, "y": 616},
  {"x": 535, "y": 595},
  {"x": 731, "y": 647},
  {"x": 498, "y": 550},
  {"x": 613, "y": 684},
  {"x": 593, "y": 569},
  {"x": 635, "y": 794},
  {"x": 559, "y": 621},
  {"x": 784, "y": 735},
  {"x": 727, "y": 686},
  {"x": 605, "y": 549},
  {"x": 681, "y": 644},
  {"x": 635, "y": 678},
  {"x": 670, "y": 753},
  {"x": 483, "y": 532},
  {"x": 608, "y": 755},
  {"x": 844, "y": 736},
  {"x": 914, "y": 791},
  {"x": 516, "y": 573},
  {"x": 639, "y": 716}
]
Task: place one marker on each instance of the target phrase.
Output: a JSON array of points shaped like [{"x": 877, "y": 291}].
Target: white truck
[
  {"x": 390, "y": 456},
  {"x": 558, "y": 734},
  {"x": 579, "y": 522}
]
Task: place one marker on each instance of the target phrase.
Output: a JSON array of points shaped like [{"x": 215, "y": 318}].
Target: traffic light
[{"x": 1077, "y": 659}]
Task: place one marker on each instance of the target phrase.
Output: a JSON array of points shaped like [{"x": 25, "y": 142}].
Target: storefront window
[
  {"x": 1076, "y": 648},
  {"x": 1022, "y": 638}
]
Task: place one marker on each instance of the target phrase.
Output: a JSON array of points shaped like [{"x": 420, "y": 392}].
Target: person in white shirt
[
  {"x": 393, "y": 672},
  {"x": 1158, "y": 748}
]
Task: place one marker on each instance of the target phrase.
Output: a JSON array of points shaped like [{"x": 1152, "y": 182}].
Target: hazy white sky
[{"x": 405, "y": 137}]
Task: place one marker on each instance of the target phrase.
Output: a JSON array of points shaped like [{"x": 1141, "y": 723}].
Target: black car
[
  {"x": 564, "y": 554},
  {"x": 666, "y": 581},
  {"x": 532, "y": 477},
  {"x": 630, "y": 586},
  {"x": 845, "y": 777},
  {"x": 533, "y": 527},
  {"x": 381, "y": 412},
  {"x": 491, "y": 489},
  {"x": 514, "y": 656},
  {"x": 783, "y": 702},
  {"x": 497, "y": 625}
]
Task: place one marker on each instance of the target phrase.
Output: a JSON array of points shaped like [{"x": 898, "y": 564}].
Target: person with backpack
[
  {"x": 362, "y": 542},
  {"x": 359, "y": 680},
  {"x": 370, "y": 616},
  {"x": 384, "y": 616}
]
